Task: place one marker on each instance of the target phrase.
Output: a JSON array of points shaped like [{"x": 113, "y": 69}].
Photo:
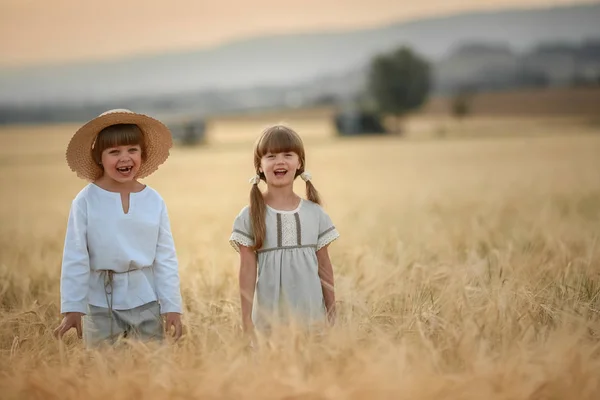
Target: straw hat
[{"x": 156, "y": 135}]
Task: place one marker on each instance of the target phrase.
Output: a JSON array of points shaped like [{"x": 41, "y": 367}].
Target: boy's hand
[
  {"x": 70, "y": 320},
  {"x": 173, "y": 319}
]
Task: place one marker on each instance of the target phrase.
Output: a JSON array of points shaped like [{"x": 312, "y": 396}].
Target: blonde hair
[{"x": 275, "y": 139}]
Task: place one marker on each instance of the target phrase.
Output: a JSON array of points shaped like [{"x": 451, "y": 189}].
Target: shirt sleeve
[
  {"x": 75, "y": 269},
  {"x": 242, "y": 234},
  {"x": 166, "y": 268},
  {"x": 327, "y": 230}
]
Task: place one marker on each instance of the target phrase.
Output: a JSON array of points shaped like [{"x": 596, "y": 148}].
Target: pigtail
[
  {"x": 311, "y": 193},
  {"x": 257, "y": 216}
]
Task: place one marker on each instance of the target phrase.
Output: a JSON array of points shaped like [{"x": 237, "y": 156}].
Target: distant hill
[
  {"x": 484, "y": 67},
  {"x": 299, "y": 63}
]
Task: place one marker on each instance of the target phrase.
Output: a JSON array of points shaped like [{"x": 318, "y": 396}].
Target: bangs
[
  {"x": 280, "y": 139},
  {"x": 117, "y": 135}
]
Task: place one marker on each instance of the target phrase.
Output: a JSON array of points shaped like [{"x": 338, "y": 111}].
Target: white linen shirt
[{"x": 100, "y": 235}]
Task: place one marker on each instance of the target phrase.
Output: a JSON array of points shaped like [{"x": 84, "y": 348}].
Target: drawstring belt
[{"x": 108, "y": 291}]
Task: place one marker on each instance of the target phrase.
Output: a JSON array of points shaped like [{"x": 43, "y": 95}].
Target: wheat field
[{"x": 467, "y": 268}]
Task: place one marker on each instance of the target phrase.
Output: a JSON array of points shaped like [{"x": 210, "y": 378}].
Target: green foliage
[
  {"x": 399, "y": 81},
  {"x": 461, "y": 104}
]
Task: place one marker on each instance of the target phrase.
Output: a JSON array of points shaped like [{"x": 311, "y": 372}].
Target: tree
[
  {"x": 460, "y": 105},
  {"x": 461, "y": 102},
  {"x": 399, "y": 81}
]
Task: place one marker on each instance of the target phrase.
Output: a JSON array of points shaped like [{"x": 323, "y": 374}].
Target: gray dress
[{"x": 288, "y": 283}]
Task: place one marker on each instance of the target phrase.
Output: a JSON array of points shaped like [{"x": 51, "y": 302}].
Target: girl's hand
[
  {"x": 70, "y": 320},
  {"x": 331, "y": 316},
  {"x": 173, "y": 319},
  {"x": 249, "y": 335},
  {"x": 248, "y": 327}
]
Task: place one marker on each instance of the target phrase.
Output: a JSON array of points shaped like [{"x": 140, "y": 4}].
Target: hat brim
[{"x": 157, "y": 137}]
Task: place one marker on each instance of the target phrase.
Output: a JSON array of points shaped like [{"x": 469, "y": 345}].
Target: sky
[{"x": 62, "y": 31}]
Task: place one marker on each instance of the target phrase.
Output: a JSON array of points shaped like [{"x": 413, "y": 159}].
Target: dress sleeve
[
  {"x": 242, "y": 234},
  {"x": 327, "y": 230}
]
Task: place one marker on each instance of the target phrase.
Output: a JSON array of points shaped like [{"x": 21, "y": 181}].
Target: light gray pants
[{"x": 105, "y": 326}]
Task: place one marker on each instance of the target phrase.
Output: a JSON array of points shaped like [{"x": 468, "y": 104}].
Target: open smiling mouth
[
  {"x": 280, "y": 172},
  {"x": 125, "y": 170}
]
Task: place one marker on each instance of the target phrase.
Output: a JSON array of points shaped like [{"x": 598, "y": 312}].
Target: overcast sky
[{"x": 57, "y": 31}]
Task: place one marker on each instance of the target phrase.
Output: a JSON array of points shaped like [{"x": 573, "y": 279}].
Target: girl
[
  {"x": 285, "y": 237},
  {"x": 119, "y": 267}
]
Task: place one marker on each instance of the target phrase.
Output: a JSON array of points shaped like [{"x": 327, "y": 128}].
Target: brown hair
[
  {"x": 118, "y": 135},
  {"x": 275, "y": 139}
]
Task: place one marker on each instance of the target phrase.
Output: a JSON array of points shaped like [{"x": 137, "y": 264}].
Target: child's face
[
  {"x": 280, "y": 168},
  {"x": 122, "y": 163}
]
